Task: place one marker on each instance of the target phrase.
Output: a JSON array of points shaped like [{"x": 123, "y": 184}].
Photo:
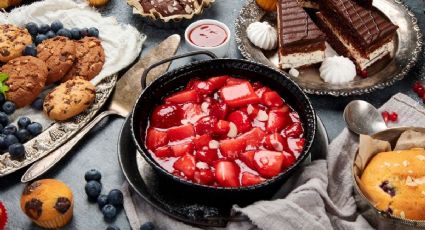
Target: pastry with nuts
[
  {"x": 27, "y": 78},
  {"x": 59, "y": 55},
  {"x": 69, "y": 99},
  {"x": 13, "y": 40},
  {"x": 90, "y": 58},
  {"x": 48, "y": 202}
]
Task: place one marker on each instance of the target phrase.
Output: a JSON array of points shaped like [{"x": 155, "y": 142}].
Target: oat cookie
[
  {"x": 90, "y": 59},
  {"x": 59, "y": 55},
  {"x": 13, "y": 40},
  {"x": 27, "y": 77},
  {"x": 69, "y": 99}
]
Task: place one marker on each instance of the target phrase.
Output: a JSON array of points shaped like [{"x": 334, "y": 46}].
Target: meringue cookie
[
  {"x": 262, "y": 35},
  {"x": 337, "y": 70}
]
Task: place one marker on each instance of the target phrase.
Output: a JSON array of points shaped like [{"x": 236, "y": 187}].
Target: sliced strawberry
[
  {"x": 261, "y": 91},
  {"x": 249, "y": 179},
  {"x": 186, "y": 165},
  {"x": 272, "y": 99},
  {"x": 293, "y": 130},
  {"x": 288, "y": 159},
  {"x": 248, "y": 158},
  {"x": 234, "y": 81},
  {"x": 203, "y": 87},
  {"x": 156, "y": 138},
  {"x": 182, "y": 149},
  {"x": 253, "y": 138},
  {"x": 222, "y": 127},
  {"x": 227, "y": 173},
  {"x": 183, "y": 97},
  {"x": 166, "y": 116},
  {"x": 217, "y": 109},
  {"x": 241, "y": 120},
  {"x": 206, "y": 155},
  {"x": 231, "y": 148},
  {"x": 191, "y": 83},
  {"x": 201, "y": 141},
  {"x": 239, "y": 95},
  {"x": 294, "y": 145},
  {"x": 218, "y": 82},
  {"x": 205, "y": 125},
  {"x": 204, "y": 176},
  {"x": 295, "y": 117},
  {"x": 277, "y": 120},
  {"x": 192, "y": 112},
  {"x": 180, "y": 132},
  {"x": 256, "y": 85},
  {"x": 164, "y": 151},
  {"x": 274, "y": 142},
  {"x": 268, "y": 163}
]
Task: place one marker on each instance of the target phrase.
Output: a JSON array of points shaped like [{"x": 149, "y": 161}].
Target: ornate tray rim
[
  {"x": 59, "y": 132},
  {"x": 340, "y": 92}
]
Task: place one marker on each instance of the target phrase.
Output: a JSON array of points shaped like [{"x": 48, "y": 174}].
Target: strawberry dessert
[{"x": 225, "y": 132}]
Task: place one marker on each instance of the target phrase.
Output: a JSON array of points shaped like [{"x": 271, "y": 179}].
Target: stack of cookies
[{"x": 58, "y": 59}]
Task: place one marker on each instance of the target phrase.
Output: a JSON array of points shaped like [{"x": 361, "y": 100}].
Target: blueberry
[
  {"x": 9, "y": 107},
  {"x": 2, "y": 99},
  {"x": 32, "y": 28},
  {"x": 84, "y": 32},
  {"x": 11, "y": 139},
  {"x": 38, "y": 103},
  {"x": 92, "y": 174},
  {"x": 102, "y": 200},
  {"x": 93, "y": 189},
  {"x": 30, "y": 50},
  {"x": 40, "y": 38},
  {"x": 9, "y": 130},
  {"x": 93, "y": 32},
  {"x": 4, "y": 119},
  {"x": 112, "y": 227},
  {"x": 23, "y": 135},
  {"x": 147, "y": 226},
  {"x": 16, "y": 150},
  {"x": 75, "y": 33},
  {"x": 3, "y": 144},
  {"x": 56, "y": 25},
  {"x": 64, "y": 33},
  {"x": 50, "y": 34},
  {"x": 109, "y": 212},
  {"x": 23, "y": 122},
  {"x": 35, "y": 128},
  {"x": 43, "y": 28},
  {"x": 115, "y": 197}
]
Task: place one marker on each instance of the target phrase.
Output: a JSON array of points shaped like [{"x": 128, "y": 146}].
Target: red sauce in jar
[{"x": 208, "y": 35}]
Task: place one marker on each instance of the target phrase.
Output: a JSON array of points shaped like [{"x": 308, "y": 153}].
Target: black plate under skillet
[{"x": 145, "y": 182}]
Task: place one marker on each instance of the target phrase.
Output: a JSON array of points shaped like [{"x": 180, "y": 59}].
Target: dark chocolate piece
[
  {"x": 62, "y": 204},
  {"x": 33, "y": 208},
  {"x": 168, "y": 7}
]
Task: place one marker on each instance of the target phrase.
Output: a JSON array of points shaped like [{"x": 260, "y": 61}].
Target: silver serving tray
[
  {"x": 58, "y": 133},
  {"x": 408, "y": 45}
]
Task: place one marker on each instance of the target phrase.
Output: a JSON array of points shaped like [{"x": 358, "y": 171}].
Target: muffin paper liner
[{"x": 57, "y": 222}]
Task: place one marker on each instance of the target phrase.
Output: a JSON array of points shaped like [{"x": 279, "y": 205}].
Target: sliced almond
[
  {"x": 405, "y": 163},
  {"x": 249, "y": 109},
  {"x": 420, "y": 157},
  {"x": 262, "y": 116},
  {"x": 233, "y": 131},
  {"x": 411, "y": 182},
  {"x": 213, "y": 144}
]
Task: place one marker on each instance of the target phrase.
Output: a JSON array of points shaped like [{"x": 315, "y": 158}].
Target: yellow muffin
[
  {"x": 98, "y": 3},
  {"x": 395, "y": 183},
  {"x": 49, "y": 203}
]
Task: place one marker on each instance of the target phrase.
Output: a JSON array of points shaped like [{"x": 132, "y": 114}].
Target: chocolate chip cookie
[
  {"x": 89, "y": 61},
  {"x": 59, "y": 55},
  {"x": 13, "y": 40},
  {"x": 27, "y": 77},
  {"x": 69, "y": 99}
]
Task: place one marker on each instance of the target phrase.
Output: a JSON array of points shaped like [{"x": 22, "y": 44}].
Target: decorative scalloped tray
[
  {"x": 58, "y": 133},
  {"x": 408, "y": 45}
]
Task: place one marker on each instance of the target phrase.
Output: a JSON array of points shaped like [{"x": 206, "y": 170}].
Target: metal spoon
[{"x": 363, "y": 118}]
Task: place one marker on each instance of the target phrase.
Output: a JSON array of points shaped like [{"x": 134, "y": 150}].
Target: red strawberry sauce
[{"x": 225, "y": 132}]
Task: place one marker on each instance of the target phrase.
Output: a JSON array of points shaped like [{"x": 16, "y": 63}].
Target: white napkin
[{"x": 321, "y": 194}]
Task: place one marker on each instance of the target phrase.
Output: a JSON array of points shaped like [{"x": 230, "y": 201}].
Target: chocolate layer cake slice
[
  {"x": 360, "y": 33},
  {"x": 301, "y": 43}
]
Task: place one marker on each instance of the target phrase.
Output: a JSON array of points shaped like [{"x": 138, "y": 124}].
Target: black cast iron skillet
[{"x": 177, "y": 79}]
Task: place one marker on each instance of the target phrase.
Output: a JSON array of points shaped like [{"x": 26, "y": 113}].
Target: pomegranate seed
[
  {"x": 417, "y": 85},
  {"x": 363, "y": 73},
  {"x": 393, "y": 117},
  {"x": 385, "y": 115}
]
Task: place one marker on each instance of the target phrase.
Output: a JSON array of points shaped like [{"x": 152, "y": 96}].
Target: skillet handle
[{"x": 147, "y": 70}]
